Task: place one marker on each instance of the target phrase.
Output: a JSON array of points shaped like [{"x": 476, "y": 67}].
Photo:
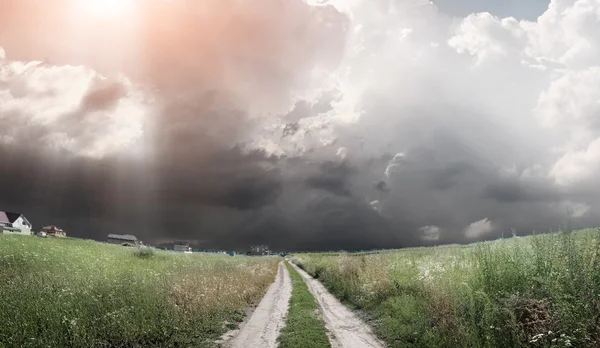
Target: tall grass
[
  {"x": 539, "y": 291},
  {"x": 74, "y": 293}
]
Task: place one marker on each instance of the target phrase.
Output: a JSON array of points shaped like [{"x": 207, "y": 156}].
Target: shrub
[{"x": 144, "y": 252}]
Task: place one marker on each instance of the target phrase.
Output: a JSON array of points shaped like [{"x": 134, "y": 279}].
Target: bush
[{"x": 144, "y": 252}]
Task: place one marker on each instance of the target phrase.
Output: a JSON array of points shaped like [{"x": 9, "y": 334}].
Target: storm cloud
[{"x": 303, "y": 125}]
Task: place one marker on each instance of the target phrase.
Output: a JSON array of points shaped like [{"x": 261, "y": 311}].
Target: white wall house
[
  {"x": 14, "y": 223},
  {"x": 23, "y": 224},
  {"x": 182, "y": 247},
  {"x": 259, "y": 250}
]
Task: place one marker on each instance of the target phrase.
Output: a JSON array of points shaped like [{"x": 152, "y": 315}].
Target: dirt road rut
[
  {"x": 346, "y": 329},
  {"x": 262, "y": 329}
]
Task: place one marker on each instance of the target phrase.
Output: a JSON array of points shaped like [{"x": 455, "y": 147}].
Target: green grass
[
  {"x": 539, "y": 291},
  {"x": 77, "y": 293},
  {"x": 304, "y": 326}
]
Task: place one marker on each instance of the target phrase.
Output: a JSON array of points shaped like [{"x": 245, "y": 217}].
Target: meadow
[
  {"x": 537, "y": 291},
  {"x": 78, "y": 293}
]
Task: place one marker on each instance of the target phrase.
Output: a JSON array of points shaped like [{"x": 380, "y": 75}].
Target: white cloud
[
  {"x": 487, "y": 37},
  {"x": 46, "y": 105},
  {"x": 572, "y": 101},
  {"x": 507, "y": 93},
  {"x": 376, "y": 205},
  {"x": 342, "y": 153},
  {"x": 539, "y": 82},
  {"x": 567, "y": 34},
  {"x": 430, "y": 233},
  {"x": 577, "y": 166},
  {"x": 395, "y": 165},
  {"x": 575, "y": 209},
  {"x": 479, "y": 229}
]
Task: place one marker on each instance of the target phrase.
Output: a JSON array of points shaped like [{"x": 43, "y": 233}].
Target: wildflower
[{"x": 536, "y": 338}]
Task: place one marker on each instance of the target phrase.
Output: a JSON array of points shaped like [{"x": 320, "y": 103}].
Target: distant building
[
  {"x": 123, "y": 239},
  {"x": 14, "y": 223},
  {"x": 53, "y": 231},
  {"x": 182, "y": 247},
  {"x": 259, "y": 250}
]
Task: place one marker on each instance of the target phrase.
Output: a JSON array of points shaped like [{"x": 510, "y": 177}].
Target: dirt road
[
  {"x": 262, "y": 329},
  {"x": 346, "y": 329}
]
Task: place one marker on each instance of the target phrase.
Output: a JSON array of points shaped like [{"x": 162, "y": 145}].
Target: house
[
  {"x": 259, "y": 250},
  {"x": 14, "y": 223},
  {"x": 54, "y": 231},
  {"x": 182, "y": 247},
  {"x": 123, "y": 239}
]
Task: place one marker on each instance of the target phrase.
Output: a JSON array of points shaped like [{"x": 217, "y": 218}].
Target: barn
[
  {"x": 123, "y": 239},
  {"x": 14, "y": 223}
]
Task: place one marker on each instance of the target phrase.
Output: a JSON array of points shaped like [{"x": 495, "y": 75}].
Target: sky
[
  {"x": 519, "y": 9},
  {"x": 304, "y": 125}
]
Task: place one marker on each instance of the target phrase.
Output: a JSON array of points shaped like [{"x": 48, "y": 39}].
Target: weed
[
  {"x": 537, "y": 291},
  {"x": 76, "y": 293},
  {"x": 144, "y": 252}
]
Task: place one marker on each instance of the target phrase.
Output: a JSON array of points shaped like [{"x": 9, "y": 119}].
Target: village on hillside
[{"x": 17, "y": 223}]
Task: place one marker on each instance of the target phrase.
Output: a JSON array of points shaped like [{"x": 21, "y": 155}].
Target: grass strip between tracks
[{"x": 304, "y": 326}]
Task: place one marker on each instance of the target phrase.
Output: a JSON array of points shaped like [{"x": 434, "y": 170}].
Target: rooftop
[
  {"x": 9, "y": 217},
  {"x": 128, "y": 237},
  {"x": 52, "y": 228}
]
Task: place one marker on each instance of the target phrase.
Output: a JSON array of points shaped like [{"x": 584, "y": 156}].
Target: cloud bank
[{"x": 331, "y": 125}]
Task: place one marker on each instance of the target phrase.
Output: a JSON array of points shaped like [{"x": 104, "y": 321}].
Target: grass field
[
  {"x": 304, "y": 326},
  {"x": 76, "y": 293},
  {"x": 539, "y": 291}
]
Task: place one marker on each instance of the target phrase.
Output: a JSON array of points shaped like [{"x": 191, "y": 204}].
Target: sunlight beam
[{"x": 104, "y": 9}]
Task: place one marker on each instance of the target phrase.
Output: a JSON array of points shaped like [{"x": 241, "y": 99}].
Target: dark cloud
[
  {"x": 232, "y": 204},
  {"x": 333, "y": 177},
  {"x": 303, "y": 108},
  {"x": 382, "y": 186},
  {"x": 290, "y": 129},
  {"x": 204, "y": 121},
  {"x": 450, "y": 175},
  {"x": 232, "y": 179},
  {"x": 513, "y": 191},
  {"x": 103, "y": 95}
]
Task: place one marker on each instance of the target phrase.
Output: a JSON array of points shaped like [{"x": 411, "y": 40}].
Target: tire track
[
  {"x": 267, "y": 320},
  {"x": 346, "y": 329}
]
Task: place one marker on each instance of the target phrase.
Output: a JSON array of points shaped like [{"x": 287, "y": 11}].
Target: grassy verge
[
  {"x": 304, "y": 326},
  {"x": 76, "y": 293},
  {"x": 539, "y": 291}
]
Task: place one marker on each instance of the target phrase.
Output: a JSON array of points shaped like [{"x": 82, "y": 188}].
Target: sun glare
[{"x": 104, "y": 9}]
